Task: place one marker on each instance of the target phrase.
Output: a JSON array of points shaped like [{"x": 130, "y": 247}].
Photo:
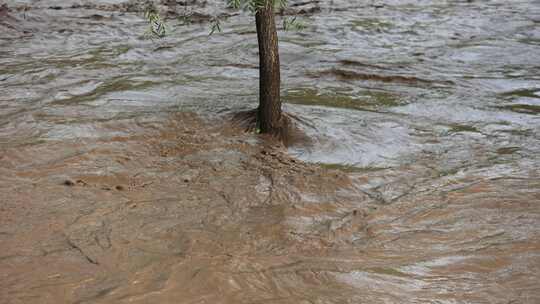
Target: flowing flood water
[{"x": 122, "y": 182}]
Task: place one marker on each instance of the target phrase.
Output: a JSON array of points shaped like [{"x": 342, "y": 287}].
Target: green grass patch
[
  {"x": 522, "y": 108},
  {"x": 529, "y": 93},
  {"x": 369, "y": 100}
]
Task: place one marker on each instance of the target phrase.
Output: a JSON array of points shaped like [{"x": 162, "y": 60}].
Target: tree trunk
[{"x": 269, "y": 112}]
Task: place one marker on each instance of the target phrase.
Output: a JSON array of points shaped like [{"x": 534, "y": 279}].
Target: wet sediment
[{"x": 183, "y": 210}]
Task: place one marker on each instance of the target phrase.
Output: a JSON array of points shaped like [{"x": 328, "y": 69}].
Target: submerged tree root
[{"x": 289, "y": 133}]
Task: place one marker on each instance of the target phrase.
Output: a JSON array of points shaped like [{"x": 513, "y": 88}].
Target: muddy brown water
[{"x": 121, "y": 180}]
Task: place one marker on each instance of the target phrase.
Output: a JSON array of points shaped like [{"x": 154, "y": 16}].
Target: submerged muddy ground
[{"x": 123, "y": 180}]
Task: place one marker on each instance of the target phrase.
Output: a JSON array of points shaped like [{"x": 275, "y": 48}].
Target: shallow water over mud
[{"x": 422, "y": 181}]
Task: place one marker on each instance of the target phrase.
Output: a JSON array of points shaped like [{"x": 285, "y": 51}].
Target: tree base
[{"x": 287, "y": 132}]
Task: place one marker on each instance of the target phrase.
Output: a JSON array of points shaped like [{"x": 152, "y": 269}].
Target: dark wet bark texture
[{"x": 269, "y": 115}]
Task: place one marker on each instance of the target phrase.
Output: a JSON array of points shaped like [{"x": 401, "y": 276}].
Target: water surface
[{"x": 432, "y": 108}]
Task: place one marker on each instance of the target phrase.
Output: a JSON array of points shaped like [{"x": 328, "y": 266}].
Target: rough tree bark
[{"x": 269, "y": 112}]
